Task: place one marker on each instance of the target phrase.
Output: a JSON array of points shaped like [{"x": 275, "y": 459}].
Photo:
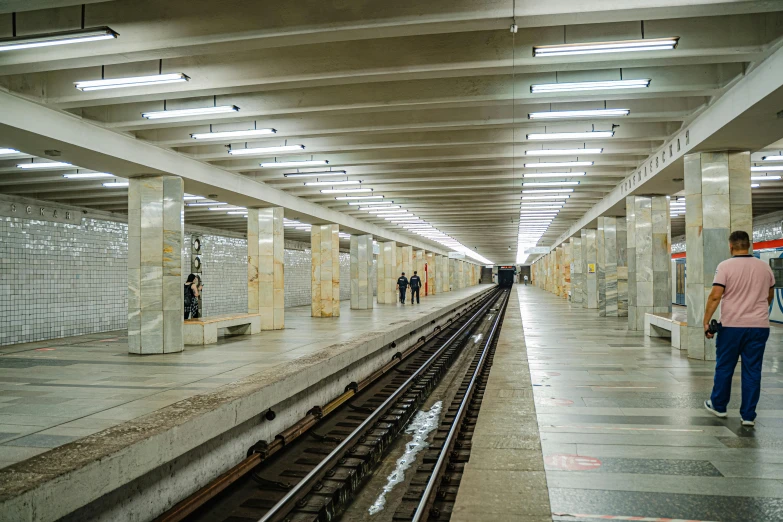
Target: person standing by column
[
  {"x": 744, "y": 288},
  {"x": 415, "y": 286},
  {"x": 402, "y": 286},
  {"x": 526, "y": 280}
]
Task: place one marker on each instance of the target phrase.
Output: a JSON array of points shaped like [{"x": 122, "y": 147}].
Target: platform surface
[
  {"x": 55, "y": 392},
  {"x": 623, "y": 429}
]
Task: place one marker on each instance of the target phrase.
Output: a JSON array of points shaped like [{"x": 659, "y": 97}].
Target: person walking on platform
[
  {"x": 525, "y": 280},
  {"x": 415, "y": 286},
  {"x": 744, "y": 289},
  {"x": 402, "y": 286}
]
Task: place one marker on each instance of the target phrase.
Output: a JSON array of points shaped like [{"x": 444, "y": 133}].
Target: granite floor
[
  {"x": 54, "y": 392},
  {"x": 623, "y": 430}
]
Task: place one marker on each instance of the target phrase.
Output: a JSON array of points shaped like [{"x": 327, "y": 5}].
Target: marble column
[
  {"x": 325, "y": 279},
  {"x": 442, "y": 274},
  {"x": 649, "y": 257},
  {"x": 155, "y": 236},
  {"x": 589, "y": 262},
  {"x": 387, "y": 272},
  {"x": 407, "y": 261},
  {"x": 361, "y": 268},
  {"x": 265, "y": 273},
  {"x": 607, "y": 267},
  {"x": 400, "y": 268},
  {"x": 418, "y": 266},
  {"x": 718, "y": 202},
  {"x": 567, "y": 277},
  {"x": 429, "y": 259},
  {"x": 622, "y": 267},
  {"x": 452, "y": 274},
  {"x": 600, "y": 267},
  {"x": 577, "y": 282}
]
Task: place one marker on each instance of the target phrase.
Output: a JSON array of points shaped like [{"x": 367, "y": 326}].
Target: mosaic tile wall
[
  {"x": 224, "y": 271},
  {"x": 61, "y": 279},
  {"x": 65, "y": 279}
]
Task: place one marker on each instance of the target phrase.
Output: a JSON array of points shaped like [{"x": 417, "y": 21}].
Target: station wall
[{"x": 64, "y": 279}]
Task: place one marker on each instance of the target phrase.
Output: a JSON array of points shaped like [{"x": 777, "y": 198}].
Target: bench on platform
[
  {"x": 205, "y": 329},
  {"x": 667, "y": 325}
]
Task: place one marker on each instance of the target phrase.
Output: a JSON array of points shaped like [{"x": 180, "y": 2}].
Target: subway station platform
[
  {"x": 621, "y": 425},
  {"x": 80, "y": 417}
]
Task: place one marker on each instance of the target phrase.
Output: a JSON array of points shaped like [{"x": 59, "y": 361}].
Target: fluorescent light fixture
[
  {"x": 237, "y": 212},
  {"x": 559, "y": 164},
  {"x": 116, "y": 184},
  {"x": 538, "y": 213},
  {"x": 754, "y": 185},
  {"x": 191, "y": 197},
  {"x": 266, "y": 150},
  {"x": 6, "y": 152},
  {"x": 763, "y": 158},
  {"x": 346, "y": 198},
  {"x": 370, "y": 202},
  {"x": 134, "y": 81},
  {"x": 545, "y": 197},
  {"x": 541, "y": 206},
  {"x": 212, "y": 204},
  {"x": 562, "y": 152},
  {"x": 405, "y": 220},
  {"x": 391, "y": 216},
  {"x": 553, "y": 174},
  {"x": 377, "y": 208},
  {"x": 589, "y": 135},
  {"x": 548, "y": 183},
  {"x": 59, "y": 38},
  {"x": 320, "y": 173},
  {"x": 765, "y": 178},
  {"x": 294, "y": 164},
  {"x": 332, "y": 183},
  {"x": 344, "y": 191},
  {"x": 227, "y": 208},
  {"x": 592, "y": 113},
  {"x": 232, "y": 134},
  {"x": 179, "y": 113},
  {"x": 89, "y": 175},
  {"x": 542, "y": 191},
  {"x": 769, "y": 168},
  {"x": 44, "y": 165},
  {"x": 388, "y": 210},
  {"x": 590, "y": 86},
  {"x": 307, "y": 227},
  {"x": 620, "y": 46}
]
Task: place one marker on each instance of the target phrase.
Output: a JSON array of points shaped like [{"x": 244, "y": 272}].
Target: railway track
[{"x": 311, "y": 471}]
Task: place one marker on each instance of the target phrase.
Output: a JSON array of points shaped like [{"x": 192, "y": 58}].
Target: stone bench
[
  {"x": 205, "y": 329},
  {"x": 666, "y": 325}
]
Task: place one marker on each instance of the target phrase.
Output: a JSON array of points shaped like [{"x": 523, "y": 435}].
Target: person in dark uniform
[
  {"x": 402, "y": 286},
  {"x": 415, "y": 286}
]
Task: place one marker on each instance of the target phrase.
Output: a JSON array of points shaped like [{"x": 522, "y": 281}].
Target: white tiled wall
[{"x": 59, "y": 280}]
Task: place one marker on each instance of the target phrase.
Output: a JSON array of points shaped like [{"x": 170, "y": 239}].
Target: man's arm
[
  {"x": 712, "y": 304},
  {"x": 771, "y": 296}
]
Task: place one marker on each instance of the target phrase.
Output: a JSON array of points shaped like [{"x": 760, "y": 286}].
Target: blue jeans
[{"x": 731, "y": 343}]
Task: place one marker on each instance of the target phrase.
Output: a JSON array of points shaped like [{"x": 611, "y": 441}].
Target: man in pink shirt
[{"x": 744, "y": 289}]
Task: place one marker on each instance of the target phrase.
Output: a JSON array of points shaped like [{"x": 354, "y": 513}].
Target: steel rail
[
  {"x": 280, "y": 510},
  {"x": 421, "y": 512}
]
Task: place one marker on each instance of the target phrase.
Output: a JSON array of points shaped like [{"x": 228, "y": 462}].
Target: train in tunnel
[{"x": 506, "y": 276}]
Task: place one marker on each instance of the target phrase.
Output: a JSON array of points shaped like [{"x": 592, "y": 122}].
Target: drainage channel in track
[{"x": 313, "y": 471}]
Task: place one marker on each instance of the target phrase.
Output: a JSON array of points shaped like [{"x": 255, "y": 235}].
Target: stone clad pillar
[
  {"x": 265, "y": 273},
  {"x": 442, "y": 274},
  {"x": 718, "y": 202},
  {"x": 400, "y": 268},
  {"x": 576, "y": 274},
  {"x": 155, "y": 236},
  {"x": 407, "y": 261},
  {"x": 607, "y": 266},
  {"x": 418, "y": 266},
  {"x": 589, "y": 262},
  {"x": 567, "y": 260},
  {"x": 622, "y": 267},
  {"x": 600, "y": 267},
  {"x": 649, "y": 258},
  {"x": 387, "y": 272},
  {"x": 361, "y": 268},
  {"x": 325, "y": 279},
  {"x": 429, "y": 258},
  {"x": 452, "y": 274}
]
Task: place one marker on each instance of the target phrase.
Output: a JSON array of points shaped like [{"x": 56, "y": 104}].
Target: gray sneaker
[
  {"x": 708, "y": 406},
  {"x": 748, "y": 423}
]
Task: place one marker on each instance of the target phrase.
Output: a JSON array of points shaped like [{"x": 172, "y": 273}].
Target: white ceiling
[{"x": 425, "y": 102}]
